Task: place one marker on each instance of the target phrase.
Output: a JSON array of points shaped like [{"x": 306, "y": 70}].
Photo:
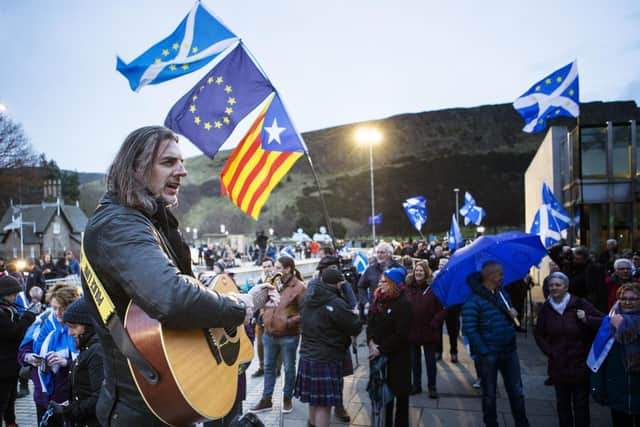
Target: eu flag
[
  {"x": 210, "y": 112},
  {"x": 199, "y": 38},
  {"x": 554, "y": 96}
]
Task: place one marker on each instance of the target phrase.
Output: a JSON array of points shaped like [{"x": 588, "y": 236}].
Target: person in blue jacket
[{"x": 487, "y": 318}]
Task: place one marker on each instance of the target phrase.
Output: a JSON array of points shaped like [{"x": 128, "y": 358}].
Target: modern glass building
[{"x": 594, "y": 170}]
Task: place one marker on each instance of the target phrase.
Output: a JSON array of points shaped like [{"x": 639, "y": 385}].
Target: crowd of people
[{"x": 71, "y": 341}]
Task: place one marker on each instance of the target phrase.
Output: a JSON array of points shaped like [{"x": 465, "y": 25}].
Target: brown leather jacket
[{"x": 284, "y": 319}]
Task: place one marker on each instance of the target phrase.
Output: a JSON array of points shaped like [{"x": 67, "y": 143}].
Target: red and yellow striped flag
[{"x": 252, "y": 172}]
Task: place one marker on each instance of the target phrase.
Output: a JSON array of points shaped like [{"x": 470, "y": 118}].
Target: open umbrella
[{"x": 517, "y": 252}]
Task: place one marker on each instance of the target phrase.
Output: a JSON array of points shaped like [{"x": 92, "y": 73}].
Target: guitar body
[{"x": 198, "y": 368}]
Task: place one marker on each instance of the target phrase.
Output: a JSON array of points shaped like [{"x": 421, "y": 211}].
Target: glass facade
[
  {"x": 621, "y": 151},
  {"x": 593, "y": 143}
]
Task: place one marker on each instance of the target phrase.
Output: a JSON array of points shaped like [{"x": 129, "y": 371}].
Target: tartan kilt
[{"x": 319, "y": 383}]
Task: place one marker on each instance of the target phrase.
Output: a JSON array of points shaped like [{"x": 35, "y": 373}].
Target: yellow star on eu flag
[
  {"x": 192, "y": 108},
  {"x": 175, "y": 46},
  {"x": 194, "y": 97},
  {"x": 227, "y": 89},
  {"x": 231, "y": 101},
  {"x": 173, "y": 67},
  {"x": 194, "y": 50},
  {"x": 571, "y": 92},
  {"x": 219, "y": 80},
  {"x": 185, "y": 66},
  {"x": 228, "y": 110},
  {"x": 158, "y": 61},
  {"x": 217, "y": 124},
  {"x": 207, "y": 126},
  {"x": 548, "y": 81},
  {"x": 165, "y": 52},
  {"x": 210, "y": 80},
  {"x": 197, "y": 120},
  {"x": 558, "y": 79},
  {"x": 226, "y": 120}
]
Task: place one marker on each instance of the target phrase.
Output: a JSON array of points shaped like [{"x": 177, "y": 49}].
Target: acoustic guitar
[{"x": 198, "y": 368}]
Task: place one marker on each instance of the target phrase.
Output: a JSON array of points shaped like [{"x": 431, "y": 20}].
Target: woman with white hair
[
  {"x": 565, "y": 326},
  {"x": 622, "y": 269}
]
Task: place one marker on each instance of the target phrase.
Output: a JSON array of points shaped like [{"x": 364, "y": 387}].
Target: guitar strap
[{"x": 111, "y": 320}]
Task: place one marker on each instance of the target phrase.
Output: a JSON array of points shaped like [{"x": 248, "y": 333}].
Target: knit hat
[
  {"x": 395, "y": 274},
  {"x": 332, "y": 276},
  {"x": 9, "y": 285},
  {"x": 327, "y": 261},
  {"x": 560, "y": 276},
  {"x": 77, "y": 312}
]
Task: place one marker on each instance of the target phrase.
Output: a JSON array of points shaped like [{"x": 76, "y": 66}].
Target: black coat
[
  {"x": 127, "y": 253},
  {"x": 35, "y": 278},
  {"x": 368, "y": 282},
  {"x": 12, "y": 328},
  {"x": 86, "y": 379},
  {"x": 390, "y": 330},
  {"x": 328, "y": 323}
]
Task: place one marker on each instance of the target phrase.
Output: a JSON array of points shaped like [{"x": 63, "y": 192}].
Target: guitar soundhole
[{"x": 224, "y": 349}]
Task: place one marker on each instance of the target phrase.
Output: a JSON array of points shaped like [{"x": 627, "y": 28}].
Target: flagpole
[{"x": 457, "y": 191}]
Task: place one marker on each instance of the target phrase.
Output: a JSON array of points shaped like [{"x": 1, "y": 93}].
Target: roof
[{"x": 42, "y": 215}]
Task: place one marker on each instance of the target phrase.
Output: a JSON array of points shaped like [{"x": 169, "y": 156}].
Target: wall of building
[{"x": 56, "y": 240}]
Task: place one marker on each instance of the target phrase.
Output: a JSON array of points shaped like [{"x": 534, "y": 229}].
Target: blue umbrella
[{"x": 517, "y": 252}]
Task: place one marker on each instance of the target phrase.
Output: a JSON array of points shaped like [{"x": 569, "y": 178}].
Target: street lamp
[
  {"x": 457, "y": 190},
  {"x": 3, "y": 107},
  {"x": 370, "y": 136}
]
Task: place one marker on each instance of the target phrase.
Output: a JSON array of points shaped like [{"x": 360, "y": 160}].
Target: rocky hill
[{"x": 481, "y": 150}]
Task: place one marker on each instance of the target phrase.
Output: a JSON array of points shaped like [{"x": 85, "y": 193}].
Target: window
[
  {"x": 593, "y": 142},
  {"x": 56, "y": 228},
  {"x": 621, "y": 150}
]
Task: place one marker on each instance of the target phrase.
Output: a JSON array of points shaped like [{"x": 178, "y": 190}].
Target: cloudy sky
[{"x": 333, "y": 61}]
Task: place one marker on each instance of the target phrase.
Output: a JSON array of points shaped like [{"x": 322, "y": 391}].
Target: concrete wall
[{"x": 57, "y": 243}]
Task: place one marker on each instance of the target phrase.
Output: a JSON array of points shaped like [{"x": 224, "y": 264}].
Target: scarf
[
  {"x": 627, "y": 335},
  {"x": 562, "y": 305},
  {"x": 382, "y": 299},
  {"x": 52, "y": 338}
]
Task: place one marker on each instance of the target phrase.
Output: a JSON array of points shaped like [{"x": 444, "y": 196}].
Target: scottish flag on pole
[
  {"x": 546, "y": 226},
  {"x": 555, "y": 208},
  {"x": 416, "y": 210},
  {"x": 470, "y": 211},
  {"x": 199, "y": 38},
  {"x": 554, "y": 96},
  {"x": 360, "y": 262},
  {"x": 455, "y": 237}
]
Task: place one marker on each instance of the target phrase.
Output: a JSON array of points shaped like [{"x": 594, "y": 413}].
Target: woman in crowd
[
  {"x": 563, "y": 332},
  {"x": 426, "y": 324},
  {"x": 615, "y": 358},
  {"x": 87, "y": 372},
  {"x": 13, "y": 326},
  {"x": 48, "y": 346},
  {"x": 282, "y": 334},
  {"x": 328, "y": 322},
  {"x": 388, "y": 335}
]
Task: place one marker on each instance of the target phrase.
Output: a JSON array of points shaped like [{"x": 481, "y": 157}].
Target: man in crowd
[
  {"x": 267, "y": 273},
  {"x": 133, "y": 245},
  {"x": 34, "y": 278},
  {"x": 74, "y": 265},
  {"x": 487, "y": 318},
  {"x": 621, "y": 274},
  {"x": 609, "y": 255},
  {"x": 370, "y": 277}
]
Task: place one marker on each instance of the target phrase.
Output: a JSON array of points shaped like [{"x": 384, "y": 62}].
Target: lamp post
[
  {"x": 457, "y": 191},
  {"x": 369, "y": 137}
]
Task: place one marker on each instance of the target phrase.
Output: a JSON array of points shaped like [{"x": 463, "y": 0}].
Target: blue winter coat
[{"x": 487, "y": 328}]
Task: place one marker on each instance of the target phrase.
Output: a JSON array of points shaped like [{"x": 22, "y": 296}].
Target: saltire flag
[
  {"x": 236, "y": 102},
  {"x": 471, "y": 212},
  {"x": 345, "y": 249},
  {"x": 416, "y": 210},
  {"x": 554, "y": 96},
  {"x": 455, "y": 237},
  {"x": 376, "y": 219},
  {"x": 546, "y": 226},
  {"x": 199, "y": 38},
  {"x": 360, "y": 262},
  {"x": 288, "y": 251},
  {"x": 555, "y": 208}
]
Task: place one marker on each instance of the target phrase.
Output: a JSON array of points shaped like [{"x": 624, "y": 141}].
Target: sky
[{"x": 333, "y": 61}]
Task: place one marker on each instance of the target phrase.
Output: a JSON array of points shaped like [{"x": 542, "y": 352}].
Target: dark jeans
[
  {"x": 453, "y": 327},
  {"x": 8, "y": 400},
  {"x": 509, "y": 367},
  {"x": 620, "y": 419},
  {"x": 576, "y": 395},
  {"x": 416, "y": 366},
  {"x": 402, "y": 412}
]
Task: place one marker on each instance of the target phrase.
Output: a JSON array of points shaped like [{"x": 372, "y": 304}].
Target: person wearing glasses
[
  {"x": 614, "y": 358},
  {"x": 368, "y": 282},
  {"x": 564, "y": 332}
]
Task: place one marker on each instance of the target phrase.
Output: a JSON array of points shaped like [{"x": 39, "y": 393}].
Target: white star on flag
[{"x": 274, "y": 132}]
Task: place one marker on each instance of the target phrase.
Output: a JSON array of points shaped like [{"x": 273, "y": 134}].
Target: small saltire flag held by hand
[
  {"x": 416, "y": 210},
  {"x": 546, "y": 226},
  {"x": 360, "y": 262},
  {"x": 455, "y": 237},
  {"x": 555, "y": 208},
  {"x": 554, "y": 96},
  {"x": 377, "y": 219},
  {"x": 199, "y": 38},
  {"x": 470, "y": 211}
]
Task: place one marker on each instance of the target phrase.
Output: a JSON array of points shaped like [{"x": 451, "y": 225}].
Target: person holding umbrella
[
  {"x": 488, "y": 320},
  {"x": 388, "y": 335}
]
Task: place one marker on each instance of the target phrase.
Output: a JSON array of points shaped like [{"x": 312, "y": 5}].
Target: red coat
[
  {"x": 566, "y": 340},
  {"x": 613, "y": 283},
  {"x": 427, "y": 317}
]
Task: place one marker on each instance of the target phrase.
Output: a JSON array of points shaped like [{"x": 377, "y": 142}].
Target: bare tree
[{"x": 15, "y": 149}]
